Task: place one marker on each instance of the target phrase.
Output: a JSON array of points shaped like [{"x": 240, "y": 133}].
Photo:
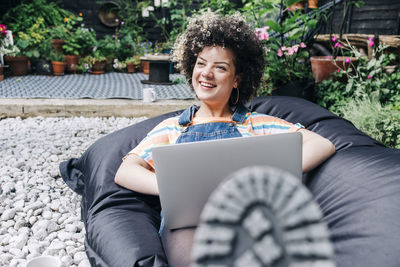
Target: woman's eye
[
  {"x": 221, "y": 67},
  {"x": 200, "y": 63}
]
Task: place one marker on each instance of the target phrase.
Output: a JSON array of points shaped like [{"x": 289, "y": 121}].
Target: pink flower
[
  {"x": 369, "y": 77},
  {"x": 370, "y": 38},
  {"x": 336, "y": 45},
  {"x": 94, "y": 48},
  {"x": 290, "y": 51},
  {"x": 280, "y": 53},
  {"x": 116, "y": 20},
  {"x": 262, "y": 33},
  {"x": 122, "y": 23},
  {"x": 347, "y": 60},
  {"x": 303, "y": 45},
  {"x": 338, "y": 70},
  {"x": 329, "y": 57},
  {"x": 371, "y": 43},
  {"x": 295, "y": 48},
  {"x": 334, "y": 39},
  {"x": 283, "y": 48}
]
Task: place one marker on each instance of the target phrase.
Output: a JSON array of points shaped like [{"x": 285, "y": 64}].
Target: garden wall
[{"x": 380, "y": 17}]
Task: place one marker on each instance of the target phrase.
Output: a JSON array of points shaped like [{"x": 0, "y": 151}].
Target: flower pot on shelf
[
  {"x": 57, "y": 44},
  {"x": 98, "y": 67},
  {"x": 72, "y": 62},
  {"x": 302, "y": 4},
  {"x": 58, "y": 68},
  {"x": 145, "y": 66},
  {"x": 18, "y": 65},
  {"x": 1, "y": 73},
  {"x": 323, "y": 67},
  {"x": 130, "y": 67}
]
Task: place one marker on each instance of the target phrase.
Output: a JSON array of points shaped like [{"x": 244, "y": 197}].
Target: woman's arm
[
  {"x": 135, "y": 174},
  {"x": 316, "y": 149}
]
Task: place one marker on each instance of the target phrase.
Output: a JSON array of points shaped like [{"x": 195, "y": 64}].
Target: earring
[{"x": 237, "y": 96}]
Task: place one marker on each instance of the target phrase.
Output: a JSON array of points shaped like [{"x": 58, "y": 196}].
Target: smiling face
[{"x": 214, "y": 75}]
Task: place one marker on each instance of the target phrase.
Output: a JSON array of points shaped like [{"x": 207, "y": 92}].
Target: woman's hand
[
  {"x": 316, "y": 149},
  {"x": 135, "y": 174}
]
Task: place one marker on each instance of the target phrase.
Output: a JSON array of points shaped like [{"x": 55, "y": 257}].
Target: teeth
[{"x": 207, "y": 84}]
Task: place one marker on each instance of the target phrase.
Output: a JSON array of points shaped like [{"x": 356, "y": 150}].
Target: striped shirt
[{"x": 169, "y": 130}]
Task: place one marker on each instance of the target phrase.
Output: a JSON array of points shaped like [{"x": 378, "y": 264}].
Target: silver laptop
[{"x": 188, "y": 173}]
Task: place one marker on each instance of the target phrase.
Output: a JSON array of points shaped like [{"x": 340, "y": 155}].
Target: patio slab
[
  {"x": 111, "y": 94},
  {"x": 89, "y": 107}
]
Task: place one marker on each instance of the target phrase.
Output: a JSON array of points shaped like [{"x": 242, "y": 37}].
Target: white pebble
[
  {"x": 8, "y": 214},
  {"x": 79, "y": 256},
  {"x": 56, "y": 245},
  {"x": 31, "y": 195}
]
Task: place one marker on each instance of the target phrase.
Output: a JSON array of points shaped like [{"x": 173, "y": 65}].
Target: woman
[{"x": 223, "y": 60}]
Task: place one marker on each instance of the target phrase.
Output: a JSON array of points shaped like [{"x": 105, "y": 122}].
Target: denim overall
[{"x": 208, "y": 131}]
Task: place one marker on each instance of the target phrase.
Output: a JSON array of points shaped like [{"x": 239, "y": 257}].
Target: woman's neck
[{"x": 209, "y": 111}]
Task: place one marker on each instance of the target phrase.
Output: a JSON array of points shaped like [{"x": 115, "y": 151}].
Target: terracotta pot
[
  {"x": 1, "y": 73},
  {"x": 72, "y": 62},
  {"x": 130, "y": 67},
  {"x": 58, "y": 67},
  {"x": 18, "y": 65},
  {"x": 324, "y": 66},
  {"x": 98, "y": 67},
  {"x": 145, "y": 66},
  {"x": 312, "y": 3},
  {"x": 302, "y": 4},
  {"x": 57, "y": 44}
]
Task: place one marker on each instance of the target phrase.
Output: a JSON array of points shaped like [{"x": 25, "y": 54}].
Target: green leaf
[
  {"x": 349, "y": 85},
  {"x": 371, "y": 63},
  {"x": 273, "y": 25},
  {"x": 312, "y": 23}
]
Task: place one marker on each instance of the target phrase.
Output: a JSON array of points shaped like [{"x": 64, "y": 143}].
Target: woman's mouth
[{"x": 208, "y": 85}]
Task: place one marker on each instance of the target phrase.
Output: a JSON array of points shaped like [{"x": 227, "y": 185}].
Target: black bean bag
[{"x": 358, "y": 190}]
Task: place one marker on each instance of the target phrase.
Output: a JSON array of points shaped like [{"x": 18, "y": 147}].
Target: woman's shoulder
[
  {"x": 168, "y": 124},
  {"x": 259, "y": 116},
  {"x": 256, "y": 118}
]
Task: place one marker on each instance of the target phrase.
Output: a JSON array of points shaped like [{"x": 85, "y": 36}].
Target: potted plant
[
  {"x": 367, "y": 78},
  {"x": 35, "y": 45},
  {"x": 301, "y": 4},
  {"x": 18, "y": 63},
  {"x": 324, "y": 66},
  {"x": 95, "y": 63},
  {"x": 58, "y": 34},
  {"x": 42, "y": 65},
  {"x": 145, "y": 49},
  {"x": 58, "y": 63},
  {"x": 78, "y": 42},
  {"x": 288, "y": 69},
  {"x": 92, "y": 64},
  {"x": 3, "y": 38},
  {"x": 132, "y": 64}
]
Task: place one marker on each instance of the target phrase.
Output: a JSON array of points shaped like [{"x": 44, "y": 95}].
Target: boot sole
[{"x": 262, "y": 216}]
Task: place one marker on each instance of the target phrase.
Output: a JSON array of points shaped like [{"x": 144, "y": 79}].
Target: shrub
[{"x": 381, "y": 122}]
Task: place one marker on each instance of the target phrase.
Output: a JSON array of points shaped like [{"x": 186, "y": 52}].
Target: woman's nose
[{"x": 206, "y": 73}]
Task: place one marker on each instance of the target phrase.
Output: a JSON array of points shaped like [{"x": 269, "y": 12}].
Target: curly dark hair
[{"x": 210, "y": 29}]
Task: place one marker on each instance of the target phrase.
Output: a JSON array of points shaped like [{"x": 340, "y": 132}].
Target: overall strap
[
  {"x": 187, "y": 115},
  {"x": 239, "y": 115}
]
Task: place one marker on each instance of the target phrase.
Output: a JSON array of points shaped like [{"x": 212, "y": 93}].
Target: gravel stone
[{"x": 40, "y": 215}]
